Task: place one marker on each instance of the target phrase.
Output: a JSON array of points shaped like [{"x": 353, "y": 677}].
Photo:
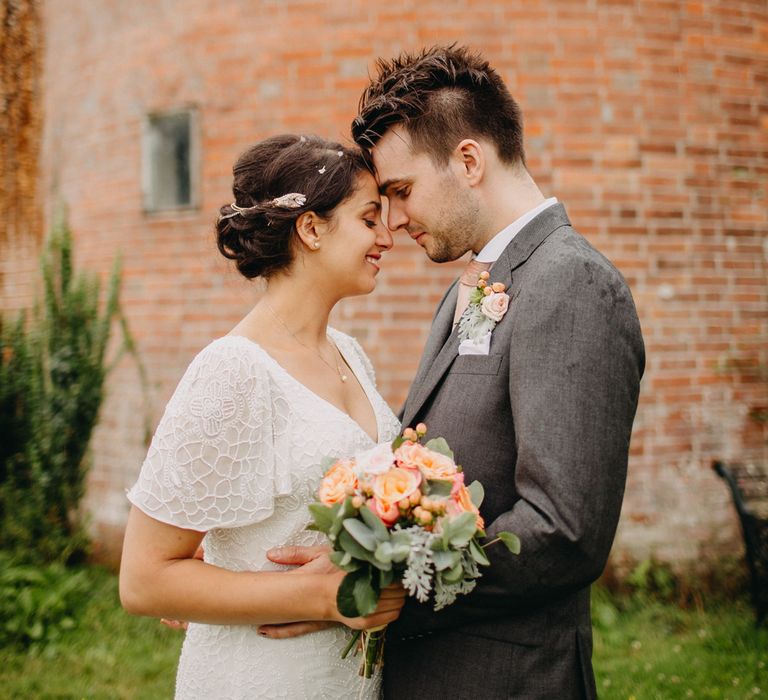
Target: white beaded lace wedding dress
[{"x": 237, "y": 455}]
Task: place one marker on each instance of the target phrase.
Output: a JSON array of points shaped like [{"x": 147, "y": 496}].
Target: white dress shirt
[{"x": 494, "y": 247}]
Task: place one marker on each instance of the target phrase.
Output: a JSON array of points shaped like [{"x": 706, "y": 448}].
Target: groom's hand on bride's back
[
  {"x": 300, "y": 557},
  {"x": 315, "y": 560}
]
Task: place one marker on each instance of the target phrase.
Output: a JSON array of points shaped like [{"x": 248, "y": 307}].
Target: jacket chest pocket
[{"x": 476, "y": 364}]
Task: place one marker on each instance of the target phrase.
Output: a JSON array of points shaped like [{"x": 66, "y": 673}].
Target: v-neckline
[{"x": 363, "y": 384}]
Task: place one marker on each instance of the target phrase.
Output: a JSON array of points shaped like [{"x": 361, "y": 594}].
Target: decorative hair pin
[{"x": 294, "y": 200}]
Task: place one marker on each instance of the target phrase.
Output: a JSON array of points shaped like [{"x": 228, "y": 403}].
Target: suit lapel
[
  {"x": 443, "y": 343},
  {"x": 440, "y": 331}
]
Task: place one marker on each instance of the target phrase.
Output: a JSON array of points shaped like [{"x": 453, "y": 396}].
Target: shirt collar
[{"x": 494, "y": 248}]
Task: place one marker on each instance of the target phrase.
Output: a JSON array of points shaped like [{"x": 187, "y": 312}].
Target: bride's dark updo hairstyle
[{"x": 261, "y": 239}]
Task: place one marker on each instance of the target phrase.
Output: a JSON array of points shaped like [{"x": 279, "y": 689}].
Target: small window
[{"x": 170, "y": 161}]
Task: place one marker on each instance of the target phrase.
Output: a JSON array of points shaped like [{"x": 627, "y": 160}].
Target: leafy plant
[
  {"x": 53, "y": 369},
  {"x": 39, "y": 604}
]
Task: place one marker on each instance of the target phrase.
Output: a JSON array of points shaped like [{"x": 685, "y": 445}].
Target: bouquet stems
[{"x": 373, "y": 650}]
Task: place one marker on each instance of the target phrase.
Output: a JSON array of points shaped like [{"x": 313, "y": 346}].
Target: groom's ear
[{"x": 470, "y": 160}]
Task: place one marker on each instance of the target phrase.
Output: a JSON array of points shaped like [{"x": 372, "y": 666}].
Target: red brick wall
[{"x": 647, "y": 118}]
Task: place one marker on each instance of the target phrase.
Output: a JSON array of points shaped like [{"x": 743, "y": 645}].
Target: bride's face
[{"x": 356, "y": 238}]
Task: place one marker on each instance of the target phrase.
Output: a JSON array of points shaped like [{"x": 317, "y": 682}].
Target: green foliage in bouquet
[
  {"x": 52, "y": 373},
  {"x": 372, "y": 554}
]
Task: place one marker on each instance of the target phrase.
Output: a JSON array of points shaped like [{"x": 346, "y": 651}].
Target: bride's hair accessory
[{"x": 294, "y": 200}]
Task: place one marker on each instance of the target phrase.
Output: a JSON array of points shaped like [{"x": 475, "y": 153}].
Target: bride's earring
[{"x": 315, "y": 244}]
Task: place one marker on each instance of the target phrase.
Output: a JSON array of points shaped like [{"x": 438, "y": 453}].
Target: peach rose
[
  {"x": 395, "y": 485},
  {"x": 432, "y": 465},
  {"x": 495, "y": 306},
  {"x": 337, "y": 482},
  {"x": 462, "y": 503},
  {"x": 388, "y": 513}
]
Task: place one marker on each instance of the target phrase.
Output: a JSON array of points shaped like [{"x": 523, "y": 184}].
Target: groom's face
[{"x": 427, "y": 200}]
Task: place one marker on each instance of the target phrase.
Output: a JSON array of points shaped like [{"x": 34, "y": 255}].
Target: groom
[{"x": 541, "y": 415}]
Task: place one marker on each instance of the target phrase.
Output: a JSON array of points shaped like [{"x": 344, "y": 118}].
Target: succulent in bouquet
[{"x": 401, "y": 513}]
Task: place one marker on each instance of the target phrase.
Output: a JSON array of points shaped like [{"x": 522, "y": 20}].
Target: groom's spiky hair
[{"x": 442, "y": 95}]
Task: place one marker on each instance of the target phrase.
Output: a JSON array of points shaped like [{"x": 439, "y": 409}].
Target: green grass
[
  {"x": 647, "y": 650},
  {"x": 110, "y": 654},
  {"x": 643, "y": 650}
]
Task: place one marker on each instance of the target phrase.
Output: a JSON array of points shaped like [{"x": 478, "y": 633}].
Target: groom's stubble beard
[{"x": 456, "y": 224}]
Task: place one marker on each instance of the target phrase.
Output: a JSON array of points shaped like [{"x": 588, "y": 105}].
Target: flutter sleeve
[{"x": 212, "y": 461}]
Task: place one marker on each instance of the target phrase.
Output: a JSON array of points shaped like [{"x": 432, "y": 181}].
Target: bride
[{"x": 235, "y": 460}]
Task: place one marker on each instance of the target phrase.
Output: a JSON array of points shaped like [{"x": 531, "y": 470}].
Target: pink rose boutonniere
[{"x": 488, "y": 303}]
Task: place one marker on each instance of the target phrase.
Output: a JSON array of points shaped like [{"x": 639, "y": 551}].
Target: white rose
[
  {"x": 494, "y": 306},
  {"x": 377, "y": 460}
]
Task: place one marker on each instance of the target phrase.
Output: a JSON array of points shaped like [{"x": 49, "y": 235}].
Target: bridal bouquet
[{"x": 401, "y": 513}]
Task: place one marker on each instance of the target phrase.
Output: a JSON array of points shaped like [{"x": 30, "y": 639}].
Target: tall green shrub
[{"x": 52, "y": 373}]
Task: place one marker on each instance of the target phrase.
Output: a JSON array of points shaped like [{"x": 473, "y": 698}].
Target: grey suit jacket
[{"x": 544, "y": 422}]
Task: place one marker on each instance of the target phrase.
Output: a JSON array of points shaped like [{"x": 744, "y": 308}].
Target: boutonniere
[{"x": 488, "y": 303}]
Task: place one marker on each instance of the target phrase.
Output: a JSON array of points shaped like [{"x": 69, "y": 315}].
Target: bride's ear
[{"x": 309, "y": 227}]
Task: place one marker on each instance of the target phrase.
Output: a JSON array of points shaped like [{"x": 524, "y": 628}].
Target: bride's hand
[
  {"x": 390, "y": 604},
  {"x": 315, "y": 560},
  {"x": 388, "y": 610}
]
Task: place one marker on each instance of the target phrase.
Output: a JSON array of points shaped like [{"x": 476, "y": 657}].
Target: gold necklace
[{"x": 342, "y": 374}]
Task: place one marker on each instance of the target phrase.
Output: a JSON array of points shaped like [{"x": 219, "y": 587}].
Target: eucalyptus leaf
[
  {"x": 454, "y": 574},
  {"x": 374, "y": 522},
  {"x": 463, "y": 528},
  {"x": 438, "y": 487},
  {"x": 476, "y": 493},
  {"x": 347, "y": 510},
  {"x": 440, "y": 446},
  {"x": 445, "y": 560},
  {"x": 366, "y": 598},
  {"x": 400, "y": 553},
  {"x": 339, "y": 514},
  {"x": 345, "y": 596},
  {"x": 323, "y": 517},
  {"x": 386, "y": 578},
  {"x": 384, "y": 552},
  {"x": 399, "y": 440},
  {"x": 511, "y": 540},
  {"x": 362, "y": 533},
  {"x": 349, "y": 544},
  {"x": 478, "y": 554},
  {"x": 340, "y": 559},
  {"x": 401, "y": 546}
]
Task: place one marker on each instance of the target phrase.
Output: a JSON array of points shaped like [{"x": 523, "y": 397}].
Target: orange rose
[
  {"x": 337, "y": 482},
  {"x": 433, "y": 465},
  {"x": 394, "y": 485},
  {"x": 388, "y": 512},
  {"x": 461, "y": 502}
]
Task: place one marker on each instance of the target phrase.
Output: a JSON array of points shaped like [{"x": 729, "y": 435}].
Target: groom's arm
[{"x": 576, "y": 359}]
